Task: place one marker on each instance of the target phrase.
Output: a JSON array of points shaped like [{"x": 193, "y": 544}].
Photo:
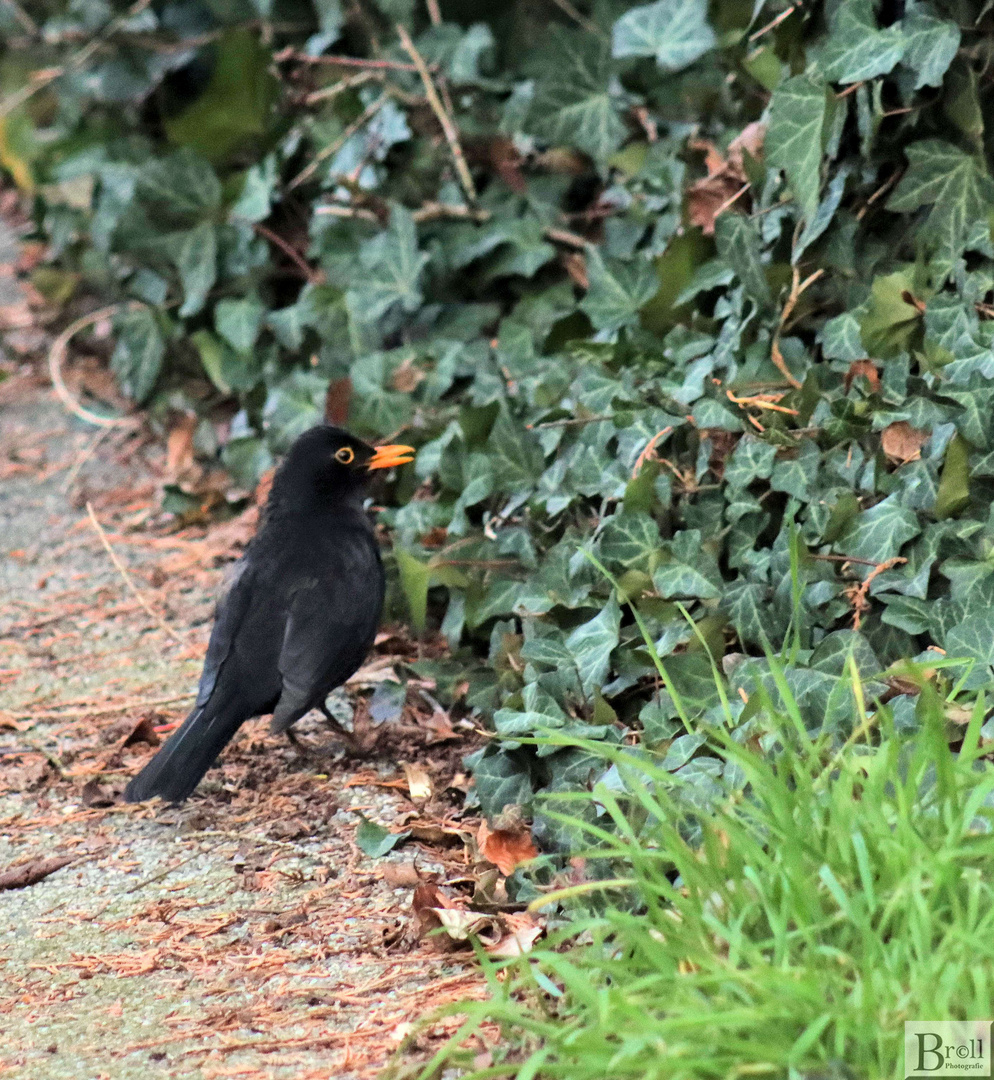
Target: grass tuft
[{"x": 790, "y": 931}]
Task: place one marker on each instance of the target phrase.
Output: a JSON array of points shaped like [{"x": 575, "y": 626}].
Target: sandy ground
[{"x": 244, "y": 933}]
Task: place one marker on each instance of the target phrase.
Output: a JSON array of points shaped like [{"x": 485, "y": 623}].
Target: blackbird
[{"x": 300, "y": 614}]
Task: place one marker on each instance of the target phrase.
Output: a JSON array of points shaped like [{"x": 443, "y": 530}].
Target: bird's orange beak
[{"x": 386, "y": 457}]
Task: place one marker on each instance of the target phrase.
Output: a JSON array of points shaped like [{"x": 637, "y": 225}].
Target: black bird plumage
[{"x": 300, "y": 614}]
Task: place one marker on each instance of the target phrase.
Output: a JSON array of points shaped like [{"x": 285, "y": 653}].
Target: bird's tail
[{"x": 180, "y": 765}]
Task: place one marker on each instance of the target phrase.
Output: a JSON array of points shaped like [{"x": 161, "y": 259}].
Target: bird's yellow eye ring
[{"x": 346, "y": 455}]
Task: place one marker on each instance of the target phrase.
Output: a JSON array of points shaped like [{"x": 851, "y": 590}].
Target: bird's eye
[{"x": 346, "y": 455}]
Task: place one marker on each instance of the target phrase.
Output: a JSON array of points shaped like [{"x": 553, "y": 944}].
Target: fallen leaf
[
  {"x": 374, "y": 840},
  {"x": 434, "y": 832},
  {"x": 26, "y": 777},
  {"x": 401, "y": 1031},
  {"x": 903, "y": 443},
  {"x": 425, "y": 903},
  {"x": 868, "y": 370},
  {"x": 440, "y": 729},
  {"x": 506, "y": 848},
  {"x": 460, "y": 925},
  {"x": 575, "y": 265},
  {"x": 406, "y": 377},
  {"x": 418, "y": 781},
  {"x": 337, "y": 401},
  {"x": 726, "y": 180},
  {"x": 522, "y": 931},
  {"x": 142, "y": 732},
  {"x": 94, "y": 795},
  {"x": 179, "y": 447},
  {"x": 400, "y": 875},
  {"x": 30, "y": 873}
]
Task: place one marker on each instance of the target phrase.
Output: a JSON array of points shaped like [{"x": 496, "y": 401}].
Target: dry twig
[
  {"x": 797, "y": 287},
  {"x": 448, "y": 124},
  {"x": 857, "y": 596},
  {"x": 160, "y": 622},
  {"x": 56, "y": 358},
  {"x": 333, "y": 147}
]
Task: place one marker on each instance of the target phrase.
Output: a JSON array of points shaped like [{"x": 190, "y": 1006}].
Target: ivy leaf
[
  {"x": 573, "y": 103},
  {"x": 137, "y": 358},
  {"x": 618, "y": 290},
  {"x": 196, "y": 260},
  {"x": 841, "y": 338},
  {"x": 747, "y": 604},
  {"x": 391, "y": 270},
  {"x": 954, "y": 484},
  {"x": 857, "y": 50},
  {"x": 738, "y": 243},
  {"x": 225, "y": 368},
  {"x": 954, "y": 183},
  {"x": 877, "y": 534},
  {"x": 415, "y": 578},
  {"x": 794, "y": 136},
  {"x": 890, "y": 317},
  {"x": 591, "y": 645},
  {"x": 675, "y": 32},
  {"x": 630, "y": 540},
  {"x": 677, "y": 580},
  {"x": 931, "y": 45},
  {"x": 973, "y": 638},
  {"x": 501, "y": 779},
  {"x": 752, "y": 460},
  {"x": 374, "y": 840},
  {"x": 182, "y": 183},
  {"x": 517, "y": 455},
  {"x": 798, "y": 475},
  {"x": 833, "y": 653},
  {"x": 550, "y": 650},
  {"x": 237, "y": 102},
  {"x": 238, "y": 322}
]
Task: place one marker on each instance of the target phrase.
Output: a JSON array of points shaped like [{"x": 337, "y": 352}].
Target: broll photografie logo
[{"x": 947, "y": 1048}]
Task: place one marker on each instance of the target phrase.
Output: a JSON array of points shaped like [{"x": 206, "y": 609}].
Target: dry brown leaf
[
  {"x": 179, "y": 446},
  {"x": 30, "y": 873},
  {"x": 868, "y": 370},
  {"x": 461, "y": 924},
  {"x": 575, "y": 265},
  {"x": 26, "y": 777},
  {"x": 726, "y": 180},
  {"x": 434, "y": 832},
  {"x": 142, "y": 732},
  {"x": 903, "y": 443},
  {"x": 337, "y": 401},
  {"x": 522, "y": 931},
  {"x": 749, "y": 141},
  {"x": 440, "y": 728},
  {"x": 427, "y": 901},
  {"x": 506, "y": 848},
  {"x": 94, "y": 795},
  {"x": 418, "y": 781},
  {"x": 406, "y": 378},
  {"x": 400, "y": 875}
]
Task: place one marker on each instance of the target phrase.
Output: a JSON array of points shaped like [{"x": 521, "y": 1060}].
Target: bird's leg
[
  {"x": 348, "y": 737},
  {"x": 295, "y": 742},
  {"x": 307, "y": 750}
]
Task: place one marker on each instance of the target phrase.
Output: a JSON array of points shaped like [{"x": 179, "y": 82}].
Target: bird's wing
[
  {"x": 228, "y": 617},
  {"x": 330, "y": 629}
]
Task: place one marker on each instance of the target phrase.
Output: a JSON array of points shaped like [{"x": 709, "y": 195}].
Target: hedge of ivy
[{"x": 706, "y": 291}]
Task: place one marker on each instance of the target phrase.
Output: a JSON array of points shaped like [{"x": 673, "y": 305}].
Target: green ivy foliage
[{"x": 706, "y": 291}]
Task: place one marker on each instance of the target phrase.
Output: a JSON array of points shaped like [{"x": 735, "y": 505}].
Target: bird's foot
[{"x": 309, "y": 750}]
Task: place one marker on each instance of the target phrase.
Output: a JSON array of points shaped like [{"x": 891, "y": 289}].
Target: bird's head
[{"x": 327, "y": 464}]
